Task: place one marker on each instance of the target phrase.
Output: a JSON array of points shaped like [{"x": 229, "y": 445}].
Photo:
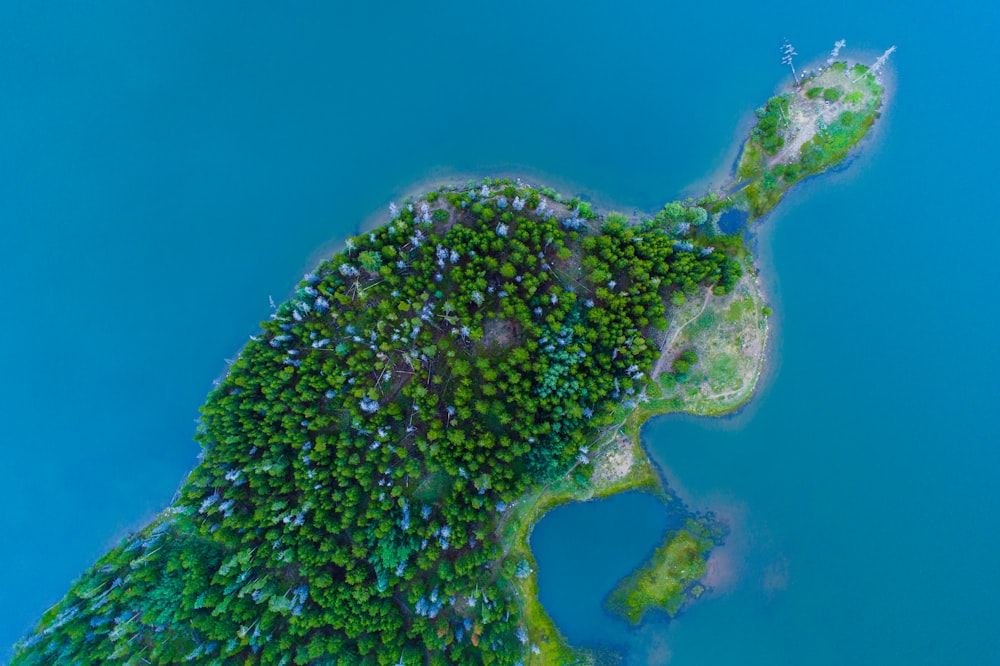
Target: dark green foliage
[
  {"x": 835, "y": 141},
  {"x": 359, "y": 450},
  {"x": 689, "y": 356},
  {"x": 682, "y": 364},
  {"x": 814, "y": 93},
  {"x": 772, "y": 119},
  {"x": 370, "y": 260},
  {"x": 675, "y": 217},
  {"x": 831, "y": 94}
]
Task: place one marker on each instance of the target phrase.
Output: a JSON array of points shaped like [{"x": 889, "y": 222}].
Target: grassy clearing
[{"x": 729, "y": 337}]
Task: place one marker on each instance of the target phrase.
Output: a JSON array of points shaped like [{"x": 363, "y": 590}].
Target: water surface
[{"x": 167, "y": 168}]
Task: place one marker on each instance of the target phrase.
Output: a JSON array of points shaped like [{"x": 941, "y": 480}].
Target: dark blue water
[{"x": 167, "y": 168}]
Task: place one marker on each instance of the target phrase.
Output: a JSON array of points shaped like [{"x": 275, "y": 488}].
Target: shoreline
[
  {"x": 766, "y": 282},
  {"x": 623, "y": 445},
  {"x": 527, "y": 175},
  {"x": 643, "y": 472},
  {"x": 765, "y": 286}
]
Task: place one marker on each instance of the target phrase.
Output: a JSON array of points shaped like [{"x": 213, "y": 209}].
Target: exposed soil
[{"x": 804, "y": 113}]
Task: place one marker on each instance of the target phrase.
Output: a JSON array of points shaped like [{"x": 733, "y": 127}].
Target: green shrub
[{"x": 831, "y": 94}]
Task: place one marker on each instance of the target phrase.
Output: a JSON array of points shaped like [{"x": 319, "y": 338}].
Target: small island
[{"x": 375, "y": 459}]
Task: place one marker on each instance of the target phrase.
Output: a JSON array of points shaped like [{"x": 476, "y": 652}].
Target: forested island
[{"x": 374, "y": 460}]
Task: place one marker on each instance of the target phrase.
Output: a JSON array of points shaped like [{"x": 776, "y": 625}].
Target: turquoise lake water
[{"x": 166, "y": 169}]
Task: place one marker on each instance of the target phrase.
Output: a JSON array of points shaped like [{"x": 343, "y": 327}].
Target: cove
[{"x": 583, "y": 549}]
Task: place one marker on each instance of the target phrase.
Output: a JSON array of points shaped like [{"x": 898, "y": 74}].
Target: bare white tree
[
  {"x": 882, "y": 59},
  {"x": 835, "y": 53},
  {"x": 879, "y": 62},
  {"x": 787, "y": 55}
]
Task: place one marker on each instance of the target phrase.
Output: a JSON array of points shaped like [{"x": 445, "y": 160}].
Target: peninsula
[{"x": 376, "y": 457}]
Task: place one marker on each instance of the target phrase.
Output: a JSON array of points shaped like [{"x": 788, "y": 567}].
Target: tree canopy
[{"x": 358, "y": 453}]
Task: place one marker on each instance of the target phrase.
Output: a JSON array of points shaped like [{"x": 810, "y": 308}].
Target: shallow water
[{"x": 167, "y": 169}]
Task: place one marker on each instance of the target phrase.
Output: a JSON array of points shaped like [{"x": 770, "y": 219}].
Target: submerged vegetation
[
  {"x": 374, "y": 461},
  {"x": 670, "y": 578}
]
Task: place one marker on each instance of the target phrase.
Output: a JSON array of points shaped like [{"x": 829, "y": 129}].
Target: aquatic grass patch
[{"x": 669, "y": 579}]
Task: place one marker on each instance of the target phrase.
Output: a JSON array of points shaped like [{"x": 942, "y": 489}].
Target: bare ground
[
  {"x": 804, "y": 112},
  {"x": 729, "y": 334},
  {"x": 614, "y": 462}
]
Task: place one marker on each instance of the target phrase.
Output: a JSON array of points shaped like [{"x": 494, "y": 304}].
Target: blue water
[
  {"x": 591, "y": 549},
  {"x": 168, "y": 167}
]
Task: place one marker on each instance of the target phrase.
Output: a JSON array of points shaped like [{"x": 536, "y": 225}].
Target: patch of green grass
[
  {"x": 723, "y": 370},
  {"x": 705, "y": 322},
  {"x": 832, "y": 145},
  {"x": 752, "y": 163},
  {"x": 737, "y": 309}
]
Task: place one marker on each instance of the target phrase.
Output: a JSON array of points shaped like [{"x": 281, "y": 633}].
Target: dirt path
[
  {"x": 804, "y": 112},
  {"x": 668, "y": 343}
]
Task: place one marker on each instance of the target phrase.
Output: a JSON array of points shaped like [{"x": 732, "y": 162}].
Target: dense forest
[{"x": 358, "y": 453}]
